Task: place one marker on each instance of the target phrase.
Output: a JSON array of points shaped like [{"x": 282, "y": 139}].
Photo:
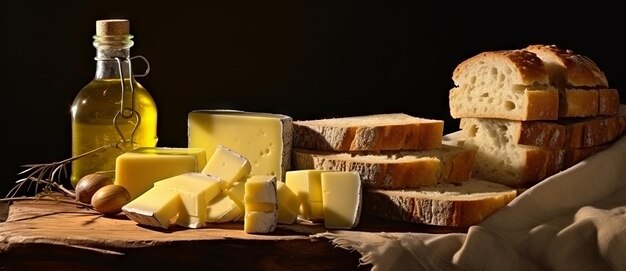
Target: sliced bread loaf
[
  {"x": 449, "y": 205},
  {"x": 500, "y": 159},
  {"x": 394, "y": 169},
  {"x": 559, "y": 134},
  {"x": 393, "y": 131},
  {"x": 583, "y": 87},
  {"x": 511, "y": 84}
]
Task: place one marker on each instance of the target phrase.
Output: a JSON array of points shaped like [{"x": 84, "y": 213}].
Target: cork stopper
[{"x": 112, "y": 27}]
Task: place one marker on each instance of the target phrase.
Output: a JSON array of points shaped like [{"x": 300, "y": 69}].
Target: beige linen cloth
[{"x": 574, "y": 220}]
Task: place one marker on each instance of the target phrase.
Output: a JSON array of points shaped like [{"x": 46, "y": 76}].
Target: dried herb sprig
[{"x": 48, "y": 174}]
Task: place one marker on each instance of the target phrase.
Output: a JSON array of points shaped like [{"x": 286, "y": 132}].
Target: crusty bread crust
[
  {"x": 580, "y": 82},
  {"x": 575, "y": 155},
  {"x": 608, "y": 102},
  {"x": 578, "y": 103},
  {"x": 442, "y": 205},
  {"x": 594, "y": 131},
  {"x": 511, "y": 84},
  {"x": 395, "y": 170},
  {"x": 527, "y": 69},
  {"x": 369, "y": 133},
  {"x": 580, "y": 71}
]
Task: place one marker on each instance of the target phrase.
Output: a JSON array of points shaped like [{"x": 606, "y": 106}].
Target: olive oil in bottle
[{"x": 112, "y": 109}]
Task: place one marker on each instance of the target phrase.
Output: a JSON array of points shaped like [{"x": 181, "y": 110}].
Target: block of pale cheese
[
  {"x": 137, "y": 170},
  {"x": 228, "y": 165},
  {"x": 155, "y": 208},
  {"x": 288, "y": 204},
  {"x": 342, "y": 194},
  {"x": 196, "y": 190},
  {"x": 223, "y": 209},
  {"x": 307, "y": 185},
  {"x": 261, "y": 204},
  {"x": 264, "y": 139}
]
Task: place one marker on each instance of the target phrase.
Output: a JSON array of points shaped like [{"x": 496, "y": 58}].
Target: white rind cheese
[{"x": 261, "y": 204}]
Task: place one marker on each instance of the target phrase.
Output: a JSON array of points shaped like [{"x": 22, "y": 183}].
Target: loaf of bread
[
  {"x": 448, "y": 205},
  {"x": 511, "y": 84},
  {"x": 392, "y": 131},
  {"x": 394, "y": 169},
  {"x": 583, "y": 87}
]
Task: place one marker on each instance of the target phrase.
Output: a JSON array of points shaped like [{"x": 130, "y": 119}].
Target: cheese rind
[
  {"x": 137, "y": 170},
  {"x": 196, "y": 190},
  {"x": 228, "y": 165},
  {"x": 307, "y": 185},
  {"x": 155, "y": 208},
  {"x": 261, "y": 204},
  {"x": 288, "y": 204},
  {"x": 264, "y": 139},
  {"x": 342, "y": 194}
]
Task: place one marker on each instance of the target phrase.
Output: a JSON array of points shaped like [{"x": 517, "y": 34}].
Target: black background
[{"x": 305, "y": 59}]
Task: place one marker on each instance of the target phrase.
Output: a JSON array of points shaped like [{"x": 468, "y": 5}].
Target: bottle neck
[
  {"x": 107, "y": 67},
  {"x": 108, "y": 50}
]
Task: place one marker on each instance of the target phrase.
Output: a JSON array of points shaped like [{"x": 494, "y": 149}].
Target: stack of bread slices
[
  {"x": 533, "y": 112},
  {"x": 407, "y": 173}
]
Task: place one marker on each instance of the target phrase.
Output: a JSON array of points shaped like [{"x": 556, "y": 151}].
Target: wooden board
[{"x": 50, "y": 235}]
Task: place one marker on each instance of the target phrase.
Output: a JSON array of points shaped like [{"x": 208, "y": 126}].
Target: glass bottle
[{"x": 101, "y": 115}]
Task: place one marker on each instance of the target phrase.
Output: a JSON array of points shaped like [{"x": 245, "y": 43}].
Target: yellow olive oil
[{"x": 93, "y": 113}]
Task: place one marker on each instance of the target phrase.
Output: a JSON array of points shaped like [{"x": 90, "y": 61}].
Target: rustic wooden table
[{"x": 47, "y": 235}]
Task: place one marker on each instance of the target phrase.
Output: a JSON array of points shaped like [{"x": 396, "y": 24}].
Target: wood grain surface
[{"x": 48, "y": 235}]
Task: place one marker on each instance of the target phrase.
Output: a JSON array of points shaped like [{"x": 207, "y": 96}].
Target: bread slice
[
  {"x": 393, "y": 131},
  {"x": 500, "y": 159},
  {"x": 395, "y": 169},
  {"x": 511, "y": 84},
  {"x": 593, "y": 131},
  {"x": 583, "y": 87},
  {"x": 449, "y": 205}
]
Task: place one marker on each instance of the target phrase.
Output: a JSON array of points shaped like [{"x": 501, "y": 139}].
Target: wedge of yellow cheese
[
  {"x": 228, "y": 165},
  {"x": 307, "y": 185},
  {"x": 262, "y": 138},
  {"x": 342, "y": 193},
  {"x": 155, "y": 208},
  {"x": 137, "y": 170},
  {"x": 196, "y": 190},
  {"x": 261, "y": 204}
]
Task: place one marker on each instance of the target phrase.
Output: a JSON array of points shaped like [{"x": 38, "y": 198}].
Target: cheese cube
[
  {"x": 307, "y": 185},
  {"x": 137, "y": 170},
  {"x": 264, "y": 139},
  {"x": 261, "y": 204},
  {"x": 288, "y": 204},
  {"x": 155, "y": 208},
  {"x": 196, "y": 190},
  {"x": 228, "y": 165},
  {"x": 223, "y": 209},
  {"x": 257, "y": 189},
  {"x": 259, "y": 222},
  {"x": 342, "y": 199}
]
